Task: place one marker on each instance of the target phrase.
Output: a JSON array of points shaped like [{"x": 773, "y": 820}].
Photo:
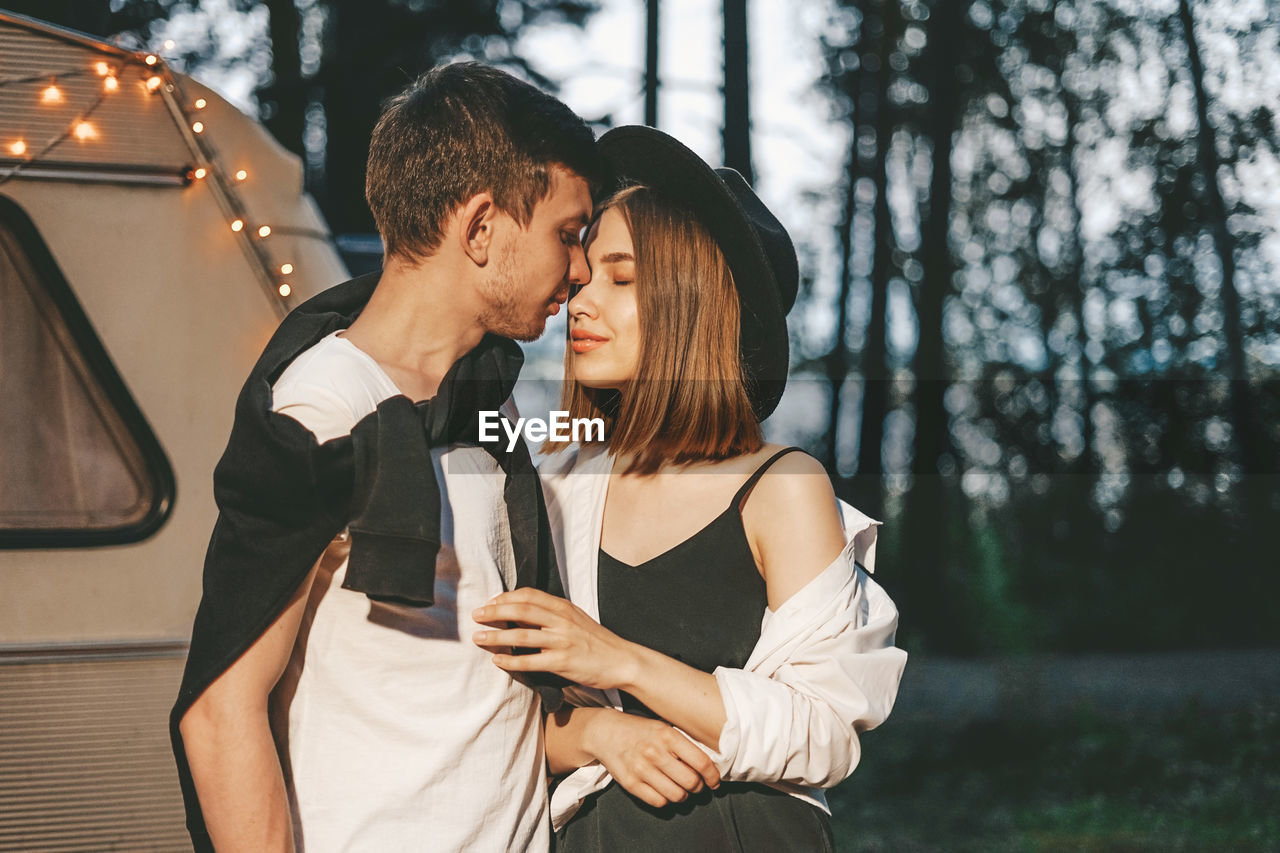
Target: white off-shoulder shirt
[{"x": 824, "y": 670}]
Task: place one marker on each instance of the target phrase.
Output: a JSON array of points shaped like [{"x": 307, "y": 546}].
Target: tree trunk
[
  {"x": 837, "y": 359},
  {"x": 651, "y": 63},
  {"x": 1075, "y": 284},
  {"x": 926, "y": 531},
  {"x": 737, "y": 113},
  {"x": 287, "y": 93},
  {"x": 875, "y": 370},
  {"x": 351, "y": 111},
  {"x": 1250, "y": 446}
]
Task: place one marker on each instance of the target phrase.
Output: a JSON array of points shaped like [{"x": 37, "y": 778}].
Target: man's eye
[{"x": 569, "y": 238}]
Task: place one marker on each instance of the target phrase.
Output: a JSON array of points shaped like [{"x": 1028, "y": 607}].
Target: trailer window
[{"x": 78, "y": 464}]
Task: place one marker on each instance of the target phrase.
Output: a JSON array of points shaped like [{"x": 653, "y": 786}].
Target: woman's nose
[{"x": 581, "y": 304}]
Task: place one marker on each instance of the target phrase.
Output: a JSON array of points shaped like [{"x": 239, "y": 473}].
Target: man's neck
[{"x": 419, "y": 321}]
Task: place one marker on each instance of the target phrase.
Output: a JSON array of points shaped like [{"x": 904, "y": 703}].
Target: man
[{"x": 392, "y": 731}]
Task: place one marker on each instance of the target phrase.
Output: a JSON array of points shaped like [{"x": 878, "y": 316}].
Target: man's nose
[{"x": 579, "y": 271}]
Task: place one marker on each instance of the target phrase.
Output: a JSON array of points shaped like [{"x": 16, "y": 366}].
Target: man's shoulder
[{"x": 329, "y": 387}]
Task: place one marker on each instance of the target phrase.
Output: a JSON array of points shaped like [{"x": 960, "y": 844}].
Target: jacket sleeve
[{"x": 825, "y": 670}]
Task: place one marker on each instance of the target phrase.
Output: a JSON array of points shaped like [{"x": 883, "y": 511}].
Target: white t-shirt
[{"x": 396, "y": 732}]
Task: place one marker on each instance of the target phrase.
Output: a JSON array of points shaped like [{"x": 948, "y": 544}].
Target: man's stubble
[{"x": 504, "y": 314}]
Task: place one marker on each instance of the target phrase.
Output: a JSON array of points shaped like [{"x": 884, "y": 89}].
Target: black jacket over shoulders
[{"x": 282, "y": 497}]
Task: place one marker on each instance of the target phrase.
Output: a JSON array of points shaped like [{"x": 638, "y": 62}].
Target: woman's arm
[
  {"x": 575, "y": 646},
  {"x": 649, "y": 758},
  {"x": 793, "y": 526}
]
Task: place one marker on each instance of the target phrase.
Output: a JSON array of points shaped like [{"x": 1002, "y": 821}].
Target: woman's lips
[{"x": 583, "y": 341}]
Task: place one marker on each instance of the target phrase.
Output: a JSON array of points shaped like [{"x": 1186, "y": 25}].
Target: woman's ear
[{"x": 475, "y": 223}]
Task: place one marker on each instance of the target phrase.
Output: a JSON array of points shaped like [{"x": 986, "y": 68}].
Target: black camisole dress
[{"x": 699, "y": 602}]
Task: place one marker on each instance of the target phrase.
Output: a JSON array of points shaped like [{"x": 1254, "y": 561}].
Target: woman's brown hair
[{"x": 688, "y": 401}]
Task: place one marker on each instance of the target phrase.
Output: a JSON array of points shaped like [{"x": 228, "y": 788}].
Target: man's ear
[{"x": 476, "y": 220}]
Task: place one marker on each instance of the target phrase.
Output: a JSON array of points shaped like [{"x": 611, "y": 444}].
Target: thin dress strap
[{"x": 758, "y": 473}]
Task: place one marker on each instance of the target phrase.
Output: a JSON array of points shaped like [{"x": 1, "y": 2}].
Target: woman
[{"x": 724, "y": 583}]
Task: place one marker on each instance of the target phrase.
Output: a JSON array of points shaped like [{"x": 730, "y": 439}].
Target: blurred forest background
[
  {"x": 1052, "y": 364},
  {"x": 1070, "y": 207}
]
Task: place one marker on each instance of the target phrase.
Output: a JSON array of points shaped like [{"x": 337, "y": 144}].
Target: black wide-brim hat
[{"x": 756, "y": 247}]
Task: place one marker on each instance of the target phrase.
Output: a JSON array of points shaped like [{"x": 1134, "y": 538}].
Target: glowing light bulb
[
  {"x": 52, "y": 95},
  {"x": 17, "y": 148},
  {"x": 285, "y": 269},
  {"x": 241, "y": 175},
  {"x": 198, "y": 127},
  {"x": 264, "y": 231},
  {"x": 111, "y": 84},
  {"x": 85, "y": 131},
  {"x": 199, "y": 173},
  {"x": 153, "y": 83},
  {"x": 237, "y": 225},
  {"x": 285, "y": 289},
  {"x": 151, "y": 59},
  {"x": 201, "y": 103},
  {"x": 102, "y": 68},
  {"x": 169, "y": 44}
]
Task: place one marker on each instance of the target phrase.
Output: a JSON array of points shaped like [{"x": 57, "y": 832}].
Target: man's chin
[{"x": 525, "y": 334}]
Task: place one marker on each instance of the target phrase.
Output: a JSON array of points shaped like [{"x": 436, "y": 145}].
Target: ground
[{"x": 1190, "y": 780}]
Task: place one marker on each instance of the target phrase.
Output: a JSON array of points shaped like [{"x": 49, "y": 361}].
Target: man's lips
[
  {"x": 558, "y": 298},
  {"x": 583, "y": 341}
]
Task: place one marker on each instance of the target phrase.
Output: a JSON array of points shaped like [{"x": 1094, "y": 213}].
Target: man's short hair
[{"x": 463, "y": 129}]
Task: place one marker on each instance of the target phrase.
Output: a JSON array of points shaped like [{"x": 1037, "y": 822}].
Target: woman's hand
[
  {"x": 569, "y": 643},
  {"x": 649, "y": 758}
]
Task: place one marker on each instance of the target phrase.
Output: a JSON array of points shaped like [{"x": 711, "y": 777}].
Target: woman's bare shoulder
[
  {"x": 793, "y": 523},
  {"x": 794, "y": 476}
]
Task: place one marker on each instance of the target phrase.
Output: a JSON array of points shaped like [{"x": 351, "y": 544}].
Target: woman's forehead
[{"x": 609, "y": 235}]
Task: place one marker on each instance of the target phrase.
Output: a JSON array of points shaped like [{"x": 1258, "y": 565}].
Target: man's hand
[{"x": 650, "y": 759}]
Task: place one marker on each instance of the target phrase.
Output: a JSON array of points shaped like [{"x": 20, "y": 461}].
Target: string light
[{"x": 85, "y": 131}]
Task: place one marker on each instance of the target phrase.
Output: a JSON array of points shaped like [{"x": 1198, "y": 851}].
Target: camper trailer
[{"x": 151, "y": 238}]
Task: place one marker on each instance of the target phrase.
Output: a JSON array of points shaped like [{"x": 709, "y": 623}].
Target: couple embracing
[{"x": 412, "y": 640}]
